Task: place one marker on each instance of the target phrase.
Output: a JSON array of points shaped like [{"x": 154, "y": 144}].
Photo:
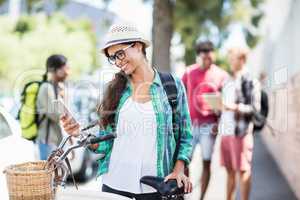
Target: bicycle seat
[{"x": 168, "y": 188}]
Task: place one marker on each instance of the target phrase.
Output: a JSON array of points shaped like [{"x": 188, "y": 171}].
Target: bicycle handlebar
[
  {"x": 101, "y": 138},
  {"x": 87, "y": 140},
  {"x": 58, "y": 157}
]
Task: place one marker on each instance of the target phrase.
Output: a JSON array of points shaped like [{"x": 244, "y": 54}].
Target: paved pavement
[{"x": 268, "y": 182}]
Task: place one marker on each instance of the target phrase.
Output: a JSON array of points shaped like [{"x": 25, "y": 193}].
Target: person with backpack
[
  {"x": 241, "y": 102},
  {"x": 200, "y": 79},
  {"x": 49, "y": 132},
  {"x": 153, "y": 127}
]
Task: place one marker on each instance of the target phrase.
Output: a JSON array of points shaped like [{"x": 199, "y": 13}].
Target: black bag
[{"x": 259, "y": 118}]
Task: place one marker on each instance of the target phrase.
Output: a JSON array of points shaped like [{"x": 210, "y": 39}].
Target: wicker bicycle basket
[{"x": 30, "y": 181}]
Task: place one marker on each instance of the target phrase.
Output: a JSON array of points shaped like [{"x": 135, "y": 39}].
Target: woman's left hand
[{"x": 181, "y": 178}]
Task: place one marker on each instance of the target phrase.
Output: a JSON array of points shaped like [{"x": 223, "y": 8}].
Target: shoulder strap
[
  {"x": 48, "y": 120},
  {"x": 171, "y": 90}
]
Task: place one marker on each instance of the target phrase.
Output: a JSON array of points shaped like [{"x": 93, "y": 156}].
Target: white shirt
[
  {"x": 227, "y": 122},
  {"x": 134, "y": 152}
]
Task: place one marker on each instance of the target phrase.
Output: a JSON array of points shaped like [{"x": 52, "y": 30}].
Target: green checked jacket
[{"x": 166, "y": 139}]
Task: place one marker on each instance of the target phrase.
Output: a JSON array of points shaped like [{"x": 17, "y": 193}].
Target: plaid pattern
[
  {"x": 166, "y": 139},
  {"x": 246, "y": 105}
]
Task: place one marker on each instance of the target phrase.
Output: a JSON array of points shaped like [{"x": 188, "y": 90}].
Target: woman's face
[{"x": 126, "y": 56}]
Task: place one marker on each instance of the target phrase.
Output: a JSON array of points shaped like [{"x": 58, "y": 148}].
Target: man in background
[{"x": 201, "y": 78}]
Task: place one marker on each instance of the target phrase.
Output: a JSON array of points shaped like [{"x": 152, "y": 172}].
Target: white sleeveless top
[{"x": 134, "y": 151}]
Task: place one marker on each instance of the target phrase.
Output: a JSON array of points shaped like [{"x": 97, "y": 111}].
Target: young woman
[
  {"x": 136, "y": 107},
  {"x": 241, "y": 97}
]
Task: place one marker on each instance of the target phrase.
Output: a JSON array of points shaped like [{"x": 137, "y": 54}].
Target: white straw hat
[{"x": 123, "y": 33}]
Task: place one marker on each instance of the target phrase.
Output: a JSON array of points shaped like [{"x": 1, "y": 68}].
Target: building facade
[{"x": 277, "y": 57}]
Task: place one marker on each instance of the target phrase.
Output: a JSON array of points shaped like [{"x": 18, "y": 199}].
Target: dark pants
[{"x": 148, "y": 196}]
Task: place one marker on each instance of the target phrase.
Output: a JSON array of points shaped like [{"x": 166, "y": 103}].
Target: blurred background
[{"x": 31, "y": 30}]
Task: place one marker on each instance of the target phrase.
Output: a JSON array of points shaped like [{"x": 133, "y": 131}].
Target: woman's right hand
[
  {"x": 73, "y": 128},
  {"x": 70, "y": 125}
]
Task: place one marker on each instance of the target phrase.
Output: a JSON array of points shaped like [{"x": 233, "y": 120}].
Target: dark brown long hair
[{"x": 111, "y": 98}]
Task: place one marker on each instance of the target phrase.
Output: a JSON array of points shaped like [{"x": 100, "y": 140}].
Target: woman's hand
[
  {"x": 181, "y": 178},
  {"x": 70, "y": 125},
  {"x": 73, "y": 128},
  {"x": 94, "y": 147}
]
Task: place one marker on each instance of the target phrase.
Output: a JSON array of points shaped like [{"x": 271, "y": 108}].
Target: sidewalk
[{"x": 267, "y": 184}]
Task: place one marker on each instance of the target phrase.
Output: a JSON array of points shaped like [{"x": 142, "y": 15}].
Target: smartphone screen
[{"x": 61, "y": 108}]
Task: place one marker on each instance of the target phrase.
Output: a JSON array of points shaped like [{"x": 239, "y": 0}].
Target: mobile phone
[{"x": 61, "y": 108}]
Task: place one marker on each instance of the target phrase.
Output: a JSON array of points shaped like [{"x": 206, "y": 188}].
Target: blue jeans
[{"x": 45, "y": 150}]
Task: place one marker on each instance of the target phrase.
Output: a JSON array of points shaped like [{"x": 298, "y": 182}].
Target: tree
[
  {"x": 199, "y": 18},
  {"x": 25, "y": 49},
  {"x": 194, "y": 18},
  {"x": 44, "y": 5},
  {"x": 1, "y": 2},
  {"x": 162, "y": 32}
]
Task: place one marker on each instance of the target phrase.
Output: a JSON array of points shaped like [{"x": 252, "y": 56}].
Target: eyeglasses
[
  {"x": 120, "y": 55},
  {"x": 205, "y": 51}
]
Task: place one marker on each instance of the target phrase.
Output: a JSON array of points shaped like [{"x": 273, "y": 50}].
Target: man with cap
[
  {"x": 202, "y": 78},
  {"x": 135, "y": 106}
]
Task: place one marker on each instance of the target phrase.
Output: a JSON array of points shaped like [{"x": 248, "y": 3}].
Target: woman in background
[{"x": 241, "y": 97}]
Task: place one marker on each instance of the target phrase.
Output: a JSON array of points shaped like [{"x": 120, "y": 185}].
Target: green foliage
[
  {"x": 1, "y": 2},
  {"x": 48, "y": 36},
  {"x": 251, "y": 39},
  {"x": 222, "y": 61},
  {"x": 189, "y": 56},
  {"x": 60, "y": 3},
  {"x": 38, "y": 5},
  {"x": 256, "y": 3},
  {"x": 24, "y": 24},
  {"x": 196, "y": 19},
  {"x": 256, "y": 18},
  {"x": 31, "y": 3}
]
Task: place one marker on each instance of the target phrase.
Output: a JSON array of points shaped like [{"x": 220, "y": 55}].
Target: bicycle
[
  {"x": 168, "y": 190},
  {"x": 58, "y": 159},
  {"x": 40, "y": 179}
]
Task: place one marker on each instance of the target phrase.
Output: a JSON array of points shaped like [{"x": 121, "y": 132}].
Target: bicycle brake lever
[{"x": 63, "y": 142}]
